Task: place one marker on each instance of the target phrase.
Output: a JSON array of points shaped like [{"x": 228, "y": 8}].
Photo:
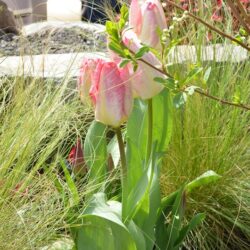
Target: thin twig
[
  {"x": 210, "y": 26},
  {"x": 225, "y": 102}
]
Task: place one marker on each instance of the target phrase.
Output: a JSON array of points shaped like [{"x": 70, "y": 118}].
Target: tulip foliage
[{"x": 126, "y": 90}]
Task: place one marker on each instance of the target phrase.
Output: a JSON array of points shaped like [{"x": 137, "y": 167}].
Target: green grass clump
[
  {"x": 39, "y": 123},
  {"x": 208, "y": 135}
]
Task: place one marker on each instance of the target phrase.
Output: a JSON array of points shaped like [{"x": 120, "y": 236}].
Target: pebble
[{"x": 53, "y": 41}]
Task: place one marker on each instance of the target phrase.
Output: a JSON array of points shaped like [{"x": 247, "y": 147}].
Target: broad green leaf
[
  {"x": 154, "y": 196},
  {"x": 137, "y": 235},
  {"x": 144, "y": 201},
  {"x": 162, "y": 123},
  {"x": 165, "y": 230},
  {"x": 173, "y": 235},
  {"x": 167, "y": 203},
  {"x": 142, "y": 188},
  {"x": 71, "y": 184},
  {"x": 196, "y": 221},
  {"x": 99, "y": 233},
  {"x": 135, "y": 150},
  {"x": 101, "y": 227},
  {"x": 204, "y": 179},
  {"x": 99, "y": 206},
  {"x": 177, "y": 214},
  {"x": 161, "y": 231},
  {"x": 95, "y": 153},
  {"x": 136, "y": 197},
  {"x": 162, "y": 120},
  {"x": 172, "y": 205},
  {"x": 137, "y": 135}
]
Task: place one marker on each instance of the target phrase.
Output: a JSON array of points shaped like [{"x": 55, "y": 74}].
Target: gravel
[{"x": 53, "y": 41}]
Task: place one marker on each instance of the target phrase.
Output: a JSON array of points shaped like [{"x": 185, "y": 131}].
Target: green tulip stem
[
  {"x": 122, "y": 153},
  {"x": 150, "y": 128}
]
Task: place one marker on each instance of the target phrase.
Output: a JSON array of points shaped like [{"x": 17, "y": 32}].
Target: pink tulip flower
[
  {"x": 111, "y": 93},
  {"x": 143, "y": 83},
  {"x": 84, "y": 81},
  {"x": 145, "y": 18}
]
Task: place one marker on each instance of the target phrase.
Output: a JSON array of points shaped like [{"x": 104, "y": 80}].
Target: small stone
[{"x": 56, "y": 40}]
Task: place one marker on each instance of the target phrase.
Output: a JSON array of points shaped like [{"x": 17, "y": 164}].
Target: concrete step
[{"x": 61, "y": 65}]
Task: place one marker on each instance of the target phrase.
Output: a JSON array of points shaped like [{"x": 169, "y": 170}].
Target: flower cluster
[{"x": 112, "y": 88}]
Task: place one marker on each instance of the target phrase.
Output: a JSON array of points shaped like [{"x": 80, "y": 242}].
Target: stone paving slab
[
  {"x": 61, "y": 65},
  {"x": 217, "y": 52},
  {"x": 47, "y": 66}
]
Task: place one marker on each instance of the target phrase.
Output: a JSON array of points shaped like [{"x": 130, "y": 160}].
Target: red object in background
[
  {"x": 216, "y": 16},
  {"x": 76, "y": 159},
  {"x": 219, "y": 3},
  {"x": 185, "y": 6}
]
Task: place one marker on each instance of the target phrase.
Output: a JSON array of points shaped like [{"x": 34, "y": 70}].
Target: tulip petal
[
  {"x": 112, "y": 94},
  {"x": 135, "y": 16},
  {"x": 153, "y": 19},
  {"x": 145, "y": 18},
  {"x": 85, "y": 77},
  {"x": 143, "y": 84}
]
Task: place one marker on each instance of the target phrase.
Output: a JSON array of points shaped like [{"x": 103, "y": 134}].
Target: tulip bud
[
  {"x": 146, "y": 17},
  {"x": 111, "y": 93},
  {"x": 76, "y": 159},
  {"x": 143, "y": 84}
]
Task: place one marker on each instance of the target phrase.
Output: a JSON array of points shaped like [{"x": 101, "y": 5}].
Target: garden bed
[{"x": 54, "y": 38}]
